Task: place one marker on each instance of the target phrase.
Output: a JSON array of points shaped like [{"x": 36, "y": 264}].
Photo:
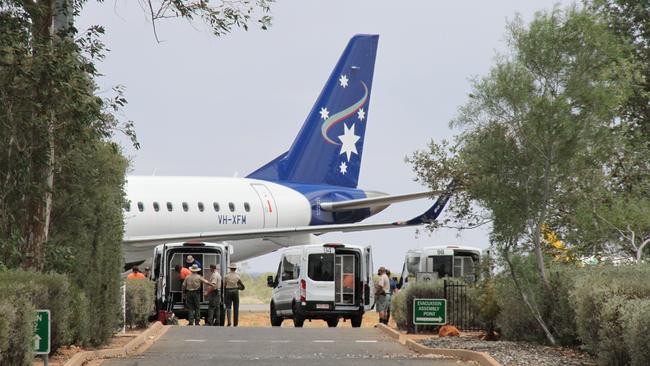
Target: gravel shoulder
[{"x": 515, "y": 353}]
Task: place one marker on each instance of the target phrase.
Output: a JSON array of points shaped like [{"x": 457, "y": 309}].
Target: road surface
[{"x": 197, "y": 346}]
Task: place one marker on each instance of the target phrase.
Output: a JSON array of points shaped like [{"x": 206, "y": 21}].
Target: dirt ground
[
  {"x": 64, "y": 353},
  {"x": 261, "y": 319}
]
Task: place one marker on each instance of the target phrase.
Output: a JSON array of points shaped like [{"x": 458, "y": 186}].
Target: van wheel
[
  {"x": 332, "y": 323},
  {"x": 276, "y": 320},
  {"x": 298, "y": 321},
  {"x": 356, "y": 321}
]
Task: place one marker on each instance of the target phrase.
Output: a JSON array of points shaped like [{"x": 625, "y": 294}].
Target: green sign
[
  {"x": 42, "y": 336},
  {"x": 430, "y": 311}
]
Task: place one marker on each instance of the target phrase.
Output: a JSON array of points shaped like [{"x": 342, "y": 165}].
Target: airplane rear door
[{"x": 268, "y": 205}]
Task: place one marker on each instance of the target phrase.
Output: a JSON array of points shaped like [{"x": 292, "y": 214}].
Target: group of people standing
[{"x": 191, "y": 288}]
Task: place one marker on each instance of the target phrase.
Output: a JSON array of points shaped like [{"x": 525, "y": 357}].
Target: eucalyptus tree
[
  {"x": 538, "y": 124},
  {"x": 48, "y": 102}
]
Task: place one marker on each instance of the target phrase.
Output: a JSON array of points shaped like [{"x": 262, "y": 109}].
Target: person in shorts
[{"x": 382, "y": 288}]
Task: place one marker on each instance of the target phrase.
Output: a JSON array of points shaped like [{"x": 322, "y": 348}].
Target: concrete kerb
[
  {"x": 146, "y": 338},
  {"x": 481, "y": 357}
]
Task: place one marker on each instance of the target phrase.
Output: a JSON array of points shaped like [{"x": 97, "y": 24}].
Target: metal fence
[{"x": 461, "y": 312}]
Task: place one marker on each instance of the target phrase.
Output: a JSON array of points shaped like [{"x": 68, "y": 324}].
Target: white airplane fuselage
[{"x": 208, "y": 204}]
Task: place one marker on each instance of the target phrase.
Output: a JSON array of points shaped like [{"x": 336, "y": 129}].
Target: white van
[
  {"x": 442, "y": 261},
  {"x": 322, "y": 281},
  {"x": 169, "y": 296}
]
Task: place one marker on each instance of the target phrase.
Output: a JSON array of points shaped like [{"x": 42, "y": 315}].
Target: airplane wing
[
  {"x": 373, "y": 201},
  {"x": 427, "y": 217}
]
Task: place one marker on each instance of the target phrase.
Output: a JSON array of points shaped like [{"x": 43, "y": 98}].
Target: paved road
[{"x": 197, "y": 346}]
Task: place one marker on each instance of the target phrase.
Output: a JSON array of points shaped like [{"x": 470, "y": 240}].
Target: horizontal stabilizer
[{"x": 373, "y": 201}]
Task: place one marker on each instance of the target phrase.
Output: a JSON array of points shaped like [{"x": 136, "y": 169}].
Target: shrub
[
  {"x": 45, "y": 291},
  {"x": 636, "y": 330},
  {"x": 597, "y": 286},
  {"x": 488, "y": 309},
  {"x": 80, "y": 318},
  {"x": 140, "y": 298},
  {"x": 516, "y": 320},
  {"x": 16, "y": 332},
  {"x": 402, "y": 303}
]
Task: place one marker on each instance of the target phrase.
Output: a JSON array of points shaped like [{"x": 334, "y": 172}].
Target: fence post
[{"x": 445, "y": 289}]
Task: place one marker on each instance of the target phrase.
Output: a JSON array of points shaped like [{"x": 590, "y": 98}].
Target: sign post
[
  {"x": 429, "y": 312},
  {"x": 42, "y": 335}
]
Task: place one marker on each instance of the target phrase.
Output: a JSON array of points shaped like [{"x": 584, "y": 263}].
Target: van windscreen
[{"x": 321, "y": 267}]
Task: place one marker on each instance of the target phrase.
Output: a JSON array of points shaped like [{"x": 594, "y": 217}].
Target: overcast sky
[{"x": 225, "y": 106}]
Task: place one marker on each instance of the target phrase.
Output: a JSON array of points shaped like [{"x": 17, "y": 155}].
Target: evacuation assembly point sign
[
  {"x": 42, "y": 336},
  {"x": 429, "y": 311}
]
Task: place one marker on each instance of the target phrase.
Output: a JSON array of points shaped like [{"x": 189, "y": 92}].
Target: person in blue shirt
[
  {"x": 389, "y": 296},
  {"x": 190, "y": 260}
]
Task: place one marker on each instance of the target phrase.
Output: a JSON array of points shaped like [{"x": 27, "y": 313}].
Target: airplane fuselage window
[
  {"x": 156, "y": 206},
  {"x": 247, "y": 207},
  {"x": 140, "y": 206},
  {"x": 185, "y": 206},
  {"x": 201, "y": 208},
  {"x": 127, "y": 207},
  {"x": 216, "y": 206},
  {"x": 231, "y": 206},
  {"x": 169, "y": 206}
]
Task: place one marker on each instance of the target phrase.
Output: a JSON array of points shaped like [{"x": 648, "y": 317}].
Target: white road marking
[
  {"x": 237, "y": 341},
  {"x": 195, "y": 340},
  {"x": 360, "y": 341},
  {"x": 323, "y": 341}
]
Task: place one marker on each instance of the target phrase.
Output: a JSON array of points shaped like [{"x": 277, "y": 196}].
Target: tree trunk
[
  {"x": 533, "y": 309},
  {"x": 43, "y": 156}
]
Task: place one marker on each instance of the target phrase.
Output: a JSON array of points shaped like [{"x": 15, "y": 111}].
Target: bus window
[{"x": 442, "y": 264}]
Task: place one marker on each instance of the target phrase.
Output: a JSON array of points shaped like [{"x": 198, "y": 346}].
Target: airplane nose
[{"x": 376, "y": 209}]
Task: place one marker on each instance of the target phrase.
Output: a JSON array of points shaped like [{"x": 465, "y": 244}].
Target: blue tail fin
[{"x": 329, "y": 146}]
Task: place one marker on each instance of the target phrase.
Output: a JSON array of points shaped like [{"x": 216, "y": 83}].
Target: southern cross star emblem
[
  {"x": 343, "y": 168},
  {"x": 348, "y": 141},
  {"x": 349, "y": 138}
]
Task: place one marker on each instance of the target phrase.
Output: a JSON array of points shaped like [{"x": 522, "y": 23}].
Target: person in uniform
[
  {"x": 382, "y": 287},
  {"x": 192, "y": 291},
  {"x": 232, "y": 284},
  {"x": 214, "y": 296}
]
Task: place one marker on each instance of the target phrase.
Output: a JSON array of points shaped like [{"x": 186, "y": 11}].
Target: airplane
[{"x": 309, "y": 190}]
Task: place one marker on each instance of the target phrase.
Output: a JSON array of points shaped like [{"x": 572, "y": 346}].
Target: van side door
[
  {"x": 369, "y": 286},
  {"x": 287, "y": 285}
]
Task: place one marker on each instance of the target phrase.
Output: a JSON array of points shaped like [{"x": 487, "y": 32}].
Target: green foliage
[
  {"x": 23, "y": 290},
  {"x": 600, "y": 297},
  {"x": 17, "y": 320},
  {"x": 636, "y": 330},
  {"x": 515, "y": 320},
  {"x": 140, "y": 302},
  {"x": 87, "y": 229},
  {"x": 536, "y": 146},
  {"x": 402, "y": 303}
]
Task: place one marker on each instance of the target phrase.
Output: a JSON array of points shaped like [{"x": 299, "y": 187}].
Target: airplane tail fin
[{"x": 329, "y": 146}]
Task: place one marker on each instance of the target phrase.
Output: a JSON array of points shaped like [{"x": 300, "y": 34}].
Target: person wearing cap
[
  {"x": 382, "y": 288},
  {"x": 232, "y": 284},
  {"x": 192, "y": 290},
  {"x": 213, "y": 293},
  {"x": 135, "y": 274},
  {"x": 190, "y": 260}
]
